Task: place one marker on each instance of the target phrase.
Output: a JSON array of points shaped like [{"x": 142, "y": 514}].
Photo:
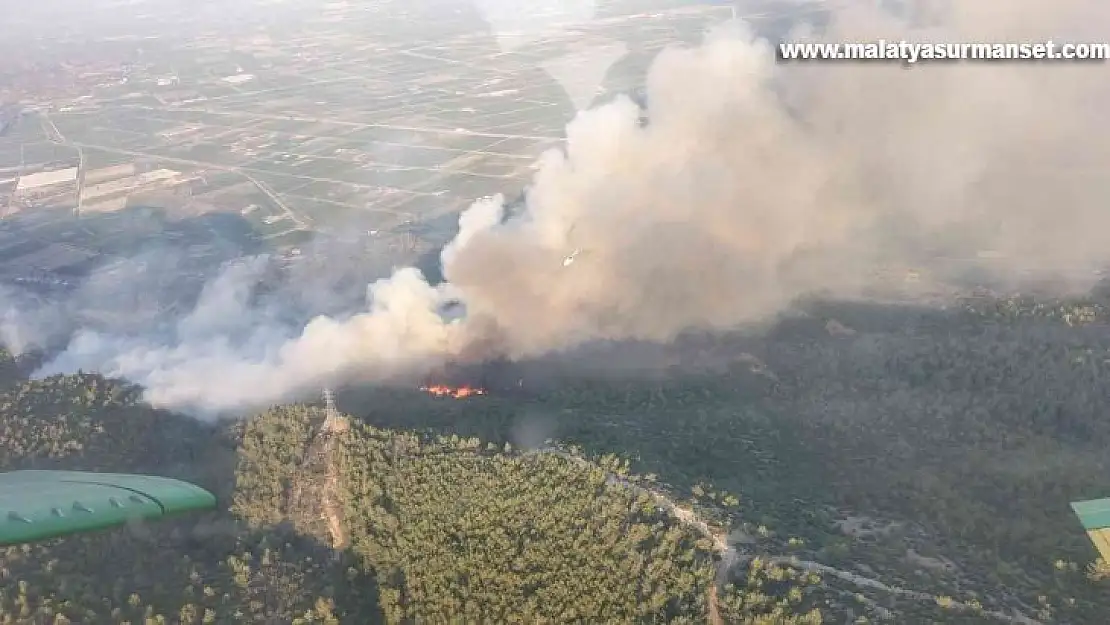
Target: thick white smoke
[
  {"x": 19, "y": 328},
  {"x": 28, "y": 323},
  {"x": 754, "y": 183}
]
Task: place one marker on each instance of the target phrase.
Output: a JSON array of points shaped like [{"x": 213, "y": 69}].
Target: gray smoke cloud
[
  {"x": 25, "y": 324},
  {"x": 753, "y": 184}
]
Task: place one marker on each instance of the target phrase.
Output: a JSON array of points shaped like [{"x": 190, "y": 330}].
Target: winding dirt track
[
  {"x": 324, "y": 443},
  {"x": 729, "y": 554}
]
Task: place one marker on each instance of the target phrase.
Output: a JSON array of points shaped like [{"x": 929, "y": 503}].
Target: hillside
[
  {"x": 438, "y": 527},
  {"x": 859, "y": 462},
  {"x": 932, "y": 450}
]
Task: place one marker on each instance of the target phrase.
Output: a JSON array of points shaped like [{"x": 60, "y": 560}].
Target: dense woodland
[
  {"x": 441, "y": 529},
  {"x": 932, "y": 451}
]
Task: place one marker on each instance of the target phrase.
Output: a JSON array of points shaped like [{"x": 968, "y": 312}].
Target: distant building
[{"x": 43, "y": 180}]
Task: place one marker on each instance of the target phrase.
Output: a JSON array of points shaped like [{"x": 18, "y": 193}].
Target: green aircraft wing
[
  {"x": 1094, "y": 514},
  {"x": 37, "y": 505}
]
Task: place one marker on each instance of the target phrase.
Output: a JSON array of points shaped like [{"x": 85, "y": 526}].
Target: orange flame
[{"x": 458, "y": 392}]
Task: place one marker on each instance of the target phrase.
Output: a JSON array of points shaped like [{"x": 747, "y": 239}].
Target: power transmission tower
[
  {"x": 331, "y": 414},
  {"x": 313, "y": 503}
]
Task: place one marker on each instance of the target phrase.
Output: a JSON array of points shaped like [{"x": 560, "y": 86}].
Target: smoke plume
[
  {"x": 753, "y": 183},
  {"x": 24, "y": 323}
]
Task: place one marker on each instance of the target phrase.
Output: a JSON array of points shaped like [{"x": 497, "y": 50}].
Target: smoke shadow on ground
[
  {"x": 148, "y": 268},
  {"x": 537, "y": 392},
  {"x": 942, "y": 420},
  {"x": 791, "y": 418},
  {"x": 139, "y": 258}
]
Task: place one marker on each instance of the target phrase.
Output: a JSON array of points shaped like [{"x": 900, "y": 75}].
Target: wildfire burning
[{"x": 454, "y": 392}]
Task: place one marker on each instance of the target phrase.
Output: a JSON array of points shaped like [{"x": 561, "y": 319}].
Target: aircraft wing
[
  {"x": 37, "y": 505},
  {"x": 1094, "y": 514}
]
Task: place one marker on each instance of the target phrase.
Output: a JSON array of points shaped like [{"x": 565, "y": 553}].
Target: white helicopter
[{"x": 569, "y": 259}]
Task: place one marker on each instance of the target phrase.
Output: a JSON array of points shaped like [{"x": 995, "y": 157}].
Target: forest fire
[{"x": 454, "y": 392}]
